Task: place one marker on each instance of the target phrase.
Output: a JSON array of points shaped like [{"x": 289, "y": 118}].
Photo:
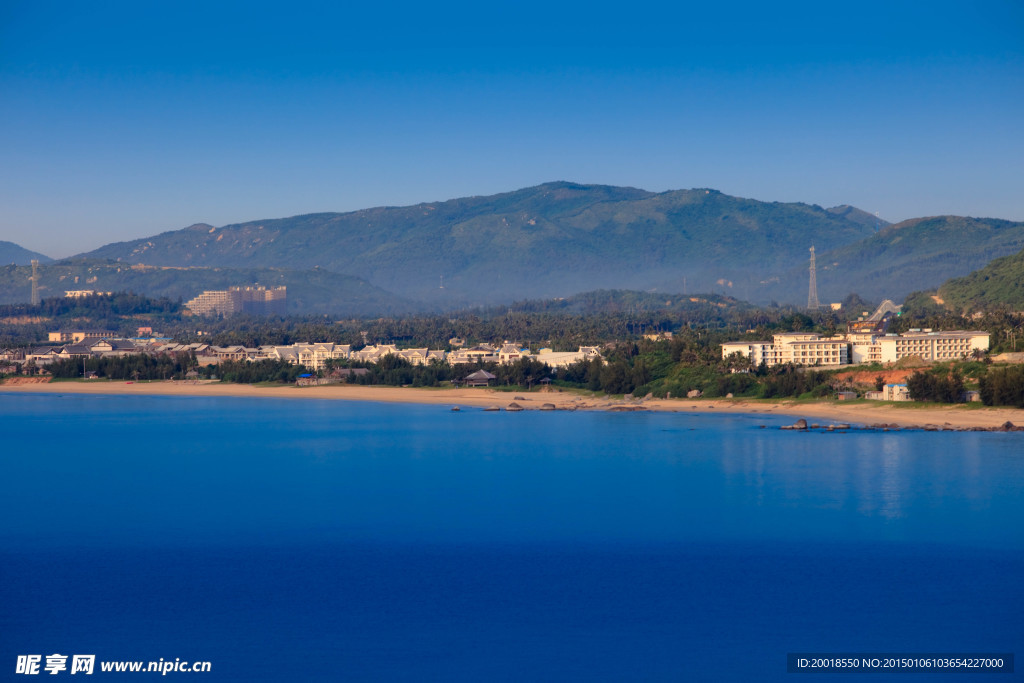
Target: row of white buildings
[
  {"x": 315, "y": 356},
  {"x": 807, "y": 348},
  {"x": 310, "y": 355}
]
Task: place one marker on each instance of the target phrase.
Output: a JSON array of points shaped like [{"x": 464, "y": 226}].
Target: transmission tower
[
  {"x": 812, "y": 292},
  {"x": 35, "y": 282}
]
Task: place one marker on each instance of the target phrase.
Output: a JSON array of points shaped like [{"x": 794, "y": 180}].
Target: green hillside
[
  {"x": 309, "y": 291},
  {"x": 547, "y": 241},
  {"x": 1000, "y": 283}
]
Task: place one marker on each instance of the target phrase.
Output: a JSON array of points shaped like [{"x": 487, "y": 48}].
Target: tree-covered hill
[{"x": 1000, "y": 283}]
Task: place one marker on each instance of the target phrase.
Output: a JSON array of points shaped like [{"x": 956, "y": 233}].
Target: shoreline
[{"x": 951, "y": 416}]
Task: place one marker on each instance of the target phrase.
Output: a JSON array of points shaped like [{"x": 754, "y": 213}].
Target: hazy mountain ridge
[
  {"x": 557, "y": 239},
  {"x": 11, "y": 253},
  {"x": 852, "y": 213},
  {"x": 551, "y": 240}
]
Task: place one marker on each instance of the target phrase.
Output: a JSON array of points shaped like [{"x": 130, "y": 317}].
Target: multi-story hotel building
[
  {"x": 258, "y": 300},
  {"x": 931, "y": 346},
  {"x": 798, "y": 348},
  {"x": 804, "y": 348}
]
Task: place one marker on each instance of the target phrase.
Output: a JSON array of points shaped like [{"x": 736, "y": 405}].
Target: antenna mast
[{"x": 812, "y": 292}]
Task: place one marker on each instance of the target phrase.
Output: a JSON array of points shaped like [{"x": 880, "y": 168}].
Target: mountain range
[
  {"x": 546, "y": 241},
  {"x": 557, "y": 239}
]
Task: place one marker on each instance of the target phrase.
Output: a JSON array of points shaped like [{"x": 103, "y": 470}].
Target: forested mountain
[
  {"x": 546, "y": 241},
  {"x": 18, "y": 255}
]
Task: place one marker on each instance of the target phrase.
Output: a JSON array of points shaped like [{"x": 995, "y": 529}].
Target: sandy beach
[{"x": 826, "y": 411}]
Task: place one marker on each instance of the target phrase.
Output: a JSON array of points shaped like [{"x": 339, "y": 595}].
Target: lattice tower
[{"x": 812, "y": 292}]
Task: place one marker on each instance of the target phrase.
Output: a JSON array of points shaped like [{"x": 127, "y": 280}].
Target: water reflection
[
  {"x": 372, "y": 470},
  {"x": 887, "y": 485}
]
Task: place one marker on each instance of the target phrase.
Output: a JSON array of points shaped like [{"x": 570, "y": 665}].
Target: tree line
[
  {"x": 1003, "y": 386},
  {"x": 136, "y": 366}
]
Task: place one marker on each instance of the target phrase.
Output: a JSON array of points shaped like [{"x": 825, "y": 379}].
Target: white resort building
[
  {"x": 798, "y": 348},
  {"x": 931, "y": 346},
  {"x": 804, "y": 348}
]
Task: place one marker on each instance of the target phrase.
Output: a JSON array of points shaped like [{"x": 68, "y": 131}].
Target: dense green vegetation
[
  {"x": 1000, "y": 283},
  {"x": 948, "y": 382},
  {"x": 395, "y": 371},
  {"x": 941, "y": 385},
  {"x": 1003, "y": 386},
  {"x": 121, "y": 312},
  {"x": 132, "y": 367},
  {"x": 245, "y": 372},
  {"x": 96, "y": 308}
]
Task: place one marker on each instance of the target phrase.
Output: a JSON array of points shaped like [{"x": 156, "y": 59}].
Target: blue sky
[{"x": 123, "y": 120}]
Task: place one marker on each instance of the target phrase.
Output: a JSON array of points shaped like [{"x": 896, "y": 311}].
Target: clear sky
[{"x": 121, "y": 120}]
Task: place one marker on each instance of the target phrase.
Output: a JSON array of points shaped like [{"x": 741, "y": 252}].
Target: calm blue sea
[{"x": 302, "y": 540}]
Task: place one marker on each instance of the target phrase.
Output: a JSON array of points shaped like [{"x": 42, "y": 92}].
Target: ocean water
[{"x": 329, "y": 540}]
